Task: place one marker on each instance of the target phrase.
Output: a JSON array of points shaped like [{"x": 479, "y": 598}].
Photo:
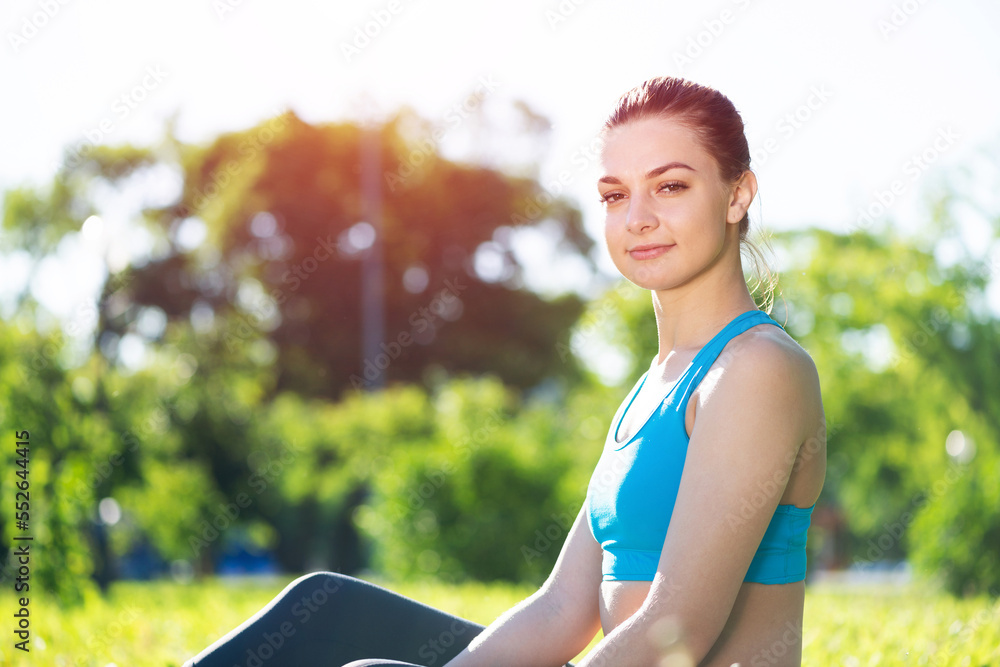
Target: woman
[{"x": 691, "y": 541}]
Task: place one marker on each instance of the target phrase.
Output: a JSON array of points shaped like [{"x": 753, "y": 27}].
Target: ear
[{"x": 743, "y": 193}]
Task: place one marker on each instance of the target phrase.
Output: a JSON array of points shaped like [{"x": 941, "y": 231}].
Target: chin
[
  {"x": 653, "y": 280},
  {"x": 653, "y": 285}
]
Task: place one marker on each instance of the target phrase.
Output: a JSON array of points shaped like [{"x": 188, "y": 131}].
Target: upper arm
[
  {"x": 573, "y": 587},
  {"x": 742, "y": 449}
]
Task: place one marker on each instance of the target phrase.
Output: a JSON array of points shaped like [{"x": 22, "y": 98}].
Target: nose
[{"x": 640, "y": 217}]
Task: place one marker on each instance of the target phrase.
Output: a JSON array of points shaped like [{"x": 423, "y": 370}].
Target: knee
[{"x": 318, "y": 586}]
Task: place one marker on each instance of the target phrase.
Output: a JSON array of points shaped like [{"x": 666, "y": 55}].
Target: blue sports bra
[{"x": 633, "y": 489}]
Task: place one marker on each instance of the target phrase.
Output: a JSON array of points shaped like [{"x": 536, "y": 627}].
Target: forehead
[{"x": 642, "y": 145}]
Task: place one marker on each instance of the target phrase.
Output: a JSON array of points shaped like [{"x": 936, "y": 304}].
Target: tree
[
  {"x": 263, "y": 306},
  {"x": 56, "y": 461},
  {"x": 279, "y": 205}
]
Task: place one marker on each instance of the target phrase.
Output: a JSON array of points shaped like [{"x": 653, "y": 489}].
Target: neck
[{"x": 688, "y": 316}]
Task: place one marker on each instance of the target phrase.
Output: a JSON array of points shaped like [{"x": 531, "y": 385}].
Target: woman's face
[{"x": 669, "y": 218}]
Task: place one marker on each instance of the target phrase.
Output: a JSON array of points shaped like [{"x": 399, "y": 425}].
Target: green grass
[
  {"x": 856, "y": 626},
  {"x": 165, "y": 623}
]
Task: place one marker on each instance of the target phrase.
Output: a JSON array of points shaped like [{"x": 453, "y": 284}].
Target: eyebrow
[{"x": 652, "y": 173}]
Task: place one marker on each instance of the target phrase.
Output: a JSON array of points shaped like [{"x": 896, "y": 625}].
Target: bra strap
[{"x": 707, "y": 355}]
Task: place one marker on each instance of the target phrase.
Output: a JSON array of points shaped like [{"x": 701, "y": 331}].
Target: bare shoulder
[
  {"x": 767, "y": 347},
  {"x": 765, "y": 369}
]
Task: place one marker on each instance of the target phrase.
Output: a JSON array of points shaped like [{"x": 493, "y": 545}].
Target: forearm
[{"x": 534, "y": 633}]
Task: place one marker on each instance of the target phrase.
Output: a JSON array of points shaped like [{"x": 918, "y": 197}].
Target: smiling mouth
[{"x": 649, "y": 251}]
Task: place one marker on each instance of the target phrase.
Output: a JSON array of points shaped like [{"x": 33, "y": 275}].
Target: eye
[
  {"x": 672, "y": 186},
  {"x": 611, "y": 197}
]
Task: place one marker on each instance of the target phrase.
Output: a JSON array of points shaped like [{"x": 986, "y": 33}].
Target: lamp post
[{"x": 372, "y": 280}]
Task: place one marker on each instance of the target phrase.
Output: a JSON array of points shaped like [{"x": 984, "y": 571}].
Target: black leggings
[{"x": 326, "y": 619}]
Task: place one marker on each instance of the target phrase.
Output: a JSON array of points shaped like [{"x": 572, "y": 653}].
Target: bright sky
[{"x": 838, "y": 98}]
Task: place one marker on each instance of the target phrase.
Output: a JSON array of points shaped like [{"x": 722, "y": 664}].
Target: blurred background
[{"x": 308, "y": 285}]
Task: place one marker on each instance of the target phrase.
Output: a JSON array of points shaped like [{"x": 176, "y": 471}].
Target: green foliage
[
  {"x": 147, "y": 439},
  {"x": 488, "y": 500},
  {"x": 317, "y": 459},
  {"x": 65, "y": 441},
  {"x": 956, "y": 536},
  {"x": 899, "y": 347},
  {"x": 36, "y": 220},
  {"x": 170, "y": 504},
  {"x": 182, "y": 439},
  {"x": 623, "y": 318}
]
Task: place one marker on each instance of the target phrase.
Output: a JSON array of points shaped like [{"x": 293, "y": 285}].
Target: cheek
[
  {"x": 705, "y": 222},
  {"x": 614, "y": 227},
  {"x": 614, "y": 232},
  {"x": 611, "y": 243}
]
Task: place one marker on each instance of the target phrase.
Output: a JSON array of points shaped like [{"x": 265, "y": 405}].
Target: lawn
[{"x": 164, "y": 623}]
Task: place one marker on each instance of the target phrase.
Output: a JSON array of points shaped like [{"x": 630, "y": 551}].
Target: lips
[{"x": 649, "y": 251}]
